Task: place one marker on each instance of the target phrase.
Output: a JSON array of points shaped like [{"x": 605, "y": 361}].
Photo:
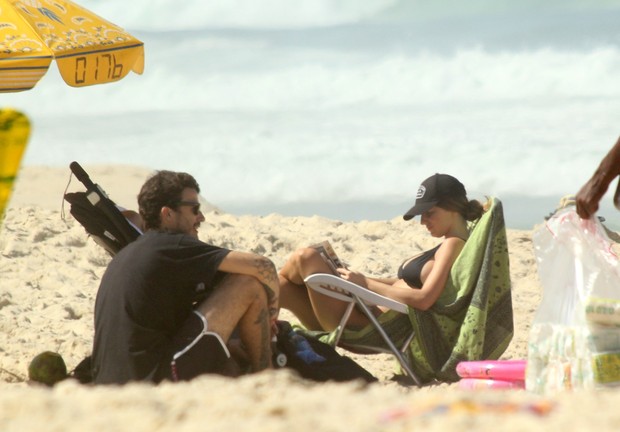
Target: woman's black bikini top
[{"x": 411, "y": 271}]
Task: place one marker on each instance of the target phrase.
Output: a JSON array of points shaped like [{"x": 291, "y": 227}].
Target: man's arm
[
  {"x": 261, "y": 268},
  {"x": 590, "y": 194}
]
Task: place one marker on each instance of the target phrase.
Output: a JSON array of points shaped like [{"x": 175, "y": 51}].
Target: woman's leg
[
  {"x": 315, "y": 311},
  {"x": 293, "y": 291},
  {"x": 295, "y": 298}
]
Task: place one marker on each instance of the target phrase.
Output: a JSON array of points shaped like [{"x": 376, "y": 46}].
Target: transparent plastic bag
[{"x": 575, "y": 337}]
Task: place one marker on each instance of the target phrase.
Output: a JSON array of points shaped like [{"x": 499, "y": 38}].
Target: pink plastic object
[
  {"x": 481, "y": 384},
  {"x": 508, "y": 370}
]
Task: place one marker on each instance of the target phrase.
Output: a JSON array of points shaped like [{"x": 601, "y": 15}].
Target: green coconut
[{"x": 47, "y": 368}]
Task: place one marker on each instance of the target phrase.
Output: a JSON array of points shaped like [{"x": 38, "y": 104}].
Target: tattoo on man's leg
[
  {"x": 268, "y": 272},
  {"x": 265, "y": 351}
]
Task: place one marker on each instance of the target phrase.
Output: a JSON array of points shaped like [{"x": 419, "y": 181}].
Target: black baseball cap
[{"x": 432, "y": 191}]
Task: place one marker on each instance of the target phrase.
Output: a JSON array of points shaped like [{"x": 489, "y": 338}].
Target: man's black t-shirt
[{"x": 147, "y": 292}]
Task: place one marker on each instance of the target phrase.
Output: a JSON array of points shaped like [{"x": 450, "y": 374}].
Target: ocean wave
[
  {"x": 352, "y": 113},
  {"x": 252, "y": 77}
]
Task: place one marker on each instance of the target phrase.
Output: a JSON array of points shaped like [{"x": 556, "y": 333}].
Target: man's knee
[
  {"x": 231, "y": 299},
  {"x": 246, "y": 286},
  {"x": 234, "y": 291}
]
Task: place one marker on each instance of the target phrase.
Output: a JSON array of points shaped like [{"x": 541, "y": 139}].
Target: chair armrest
[{"x": 341, "y": 289}]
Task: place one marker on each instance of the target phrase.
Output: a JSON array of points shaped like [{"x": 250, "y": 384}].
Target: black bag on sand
[{"x": 316, "y": 360}]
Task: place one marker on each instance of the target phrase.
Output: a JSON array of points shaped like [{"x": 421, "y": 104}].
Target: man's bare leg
[{"x": 241, "y": 302}]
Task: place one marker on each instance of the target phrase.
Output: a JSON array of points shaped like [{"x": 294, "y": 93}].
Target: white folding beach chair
[{"x": 355, "y": 295}]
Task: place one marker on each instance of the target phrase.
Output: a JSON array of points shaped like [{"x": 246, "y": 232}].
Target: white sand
[{"x": 50, "y": 271}]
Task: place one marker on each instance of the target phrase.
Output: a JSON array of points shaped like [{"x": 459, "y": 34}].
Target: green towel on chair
[{"x": 472, "y": 319}]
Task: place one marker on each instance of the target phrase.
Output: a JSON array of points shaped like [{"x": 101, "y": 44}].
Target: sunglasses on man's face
[{"x": 194, "y": 205}]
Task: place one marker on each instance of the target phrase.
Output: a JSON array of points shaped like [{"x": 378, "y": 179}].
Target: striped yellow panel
[{"x": 14, "y": 134}]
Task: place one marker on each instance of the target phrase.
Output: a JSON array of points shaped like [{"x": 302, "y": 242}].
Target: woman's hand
[{"x": 355, "y": 277}]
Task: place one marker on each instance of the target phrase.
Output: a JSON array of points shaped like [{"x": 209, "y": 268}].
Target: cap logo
[
  {"x": 421, "y": 192},
  {"x": 200, "y": 287}
]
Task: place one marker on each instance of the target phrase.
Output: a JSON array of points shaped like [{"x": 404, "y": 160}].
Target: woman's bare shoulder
[{"x": 451, "y": 246}]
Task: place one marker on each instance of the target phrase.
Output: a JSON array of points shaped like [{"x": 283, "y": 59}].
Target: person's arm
[
  {"x": 261, "y": 268},
  {"x": 590, "y": 194},
  {"x": 388, "y": 281},
  {"x": 433, "y": 286}
]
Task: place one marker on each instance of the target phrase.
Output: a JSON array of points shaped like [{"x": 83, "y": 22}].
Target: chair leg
[
  {"x": 407, "y": 342},
  {"x": 343, "y": 322},
  {"x": 397, "y": 353}
]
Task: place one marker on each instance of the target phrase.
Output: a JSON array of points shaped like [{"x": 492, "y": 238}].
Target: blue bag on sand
[{"x": 316, "y": 360}]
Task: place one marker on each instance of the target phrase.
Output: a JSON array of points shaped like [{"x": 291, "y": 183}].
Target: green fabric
[
  {"x": 395, "y": 324},
  {"x": 471, "y": 320}
]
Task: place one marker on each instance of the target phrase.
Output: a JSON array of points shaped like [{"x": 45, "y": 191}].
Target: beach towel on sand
[{"x": 473, "y": 318}]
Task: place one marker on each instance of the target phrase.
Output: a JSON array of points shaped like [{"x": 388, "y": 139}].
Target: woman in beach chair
[{"x": 457, "y": 294}]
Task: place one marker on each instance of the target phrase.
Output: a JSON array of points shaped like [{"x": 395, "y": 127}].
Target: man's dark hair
[{"x": 163, "y": 189}]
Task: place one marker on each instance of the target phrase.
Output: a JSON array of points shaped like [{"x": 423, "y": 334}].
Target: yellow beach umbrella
[
  {"x": 14, "y": 133},
  {"x": 88, "y": 49}
]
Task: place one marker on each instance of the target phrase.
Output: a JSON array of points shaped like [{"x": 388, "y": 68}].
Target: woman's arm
[
  {"x": 433, "y": 286},
  {"x": 388, "y": 281}
]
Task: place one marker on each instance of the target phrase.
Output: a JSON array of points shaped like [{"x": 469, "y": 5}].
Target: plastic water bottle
[{"x": 303, "y": 350}]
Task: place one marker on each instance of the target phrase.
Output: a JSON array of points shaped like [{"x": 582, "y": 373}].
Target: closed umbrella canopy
[
  {"x": 14, "y": 134},
  {"x": 88, "y": 49}
]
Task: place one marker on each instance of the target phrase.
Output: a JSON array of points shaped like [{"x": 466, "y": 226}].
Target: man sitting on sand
[{"x": 168, "y": 303}]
